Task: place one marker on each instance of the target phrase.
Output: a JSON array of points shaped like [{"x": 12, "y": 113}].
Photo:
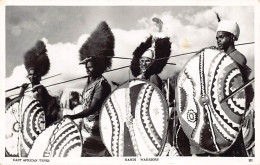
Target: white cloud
[
  {"x": 16, "y": 30},
  {"x": 196, "y": 33},
  {"x": 206, "y": 18},
  {"x": 16, "y": 79}
]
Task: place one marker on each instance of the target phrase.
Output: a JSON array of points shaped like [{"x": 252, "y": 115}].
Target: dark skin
[
  {"x": 48, "y": 103},
  {"x": 145, "y": 63},
  {"x": 34, "y": 79},
  {"x": 90, "y": 69},
  {"x": 95, "y": 103},
  {"x": 225, "y": 41},
  {"x": 23, "y": 88}
]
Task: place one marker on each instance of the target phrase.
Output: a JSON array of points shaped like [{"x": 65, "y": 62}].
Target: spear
[
  {"x": 30, "y": 83},
  {"x": 51, "y": 76},
  {"x": 67, "y": 81},
  {"x": 168, "y": 63},
  {"x": 75, "y": 79},
  {"x": 177, "y": 55},
  {"x": 184, "y": 54},
  {"x": 84, "y": 77},
  {"x": 238, "y": 90}
]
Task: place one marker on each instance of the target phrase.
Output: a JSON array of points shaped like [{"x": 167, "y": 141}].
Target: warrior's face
[
  {"x": 33, "y": 77},
  {"x": 89, "y": 68},
  {"x": 224, "y": 40},
  {"x": 146, "y": 61}
]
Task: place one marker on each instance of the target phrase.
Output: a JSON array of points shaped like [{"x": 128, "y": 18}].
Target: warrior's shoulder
[
  {"x": 103, "y": 86},
  {"x": 155, "y": 77},
  {"x": 156, "y": 80},
  {"x": 39, "y": 88},
  {"x": 238, "y": 53},
  {"x": 238, "y": 57},
  {"x": 104, "y": 83}
]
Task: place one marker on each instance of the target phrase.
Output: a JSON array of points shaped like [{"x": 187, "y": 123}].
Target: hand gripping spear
[{"x": 30, "y": 83}]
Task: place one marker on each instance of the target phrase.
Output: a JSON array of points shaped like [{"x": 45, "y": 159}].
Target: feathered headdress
[
  {"x": 37, "y": 59},
  {"x": 228, "y": 26},
  {"x": 162, "y": 48},
  {"x": 99, "y": 48}
]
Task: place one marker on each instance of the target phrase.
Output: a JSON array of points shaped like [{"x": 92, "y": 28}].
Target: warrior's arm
[
  {"x": 156, "y": 80},
  {"x": 240, "y": 58},
  {"x": 23, "y": 88},
  {"x": 99, "y": 96},
  {"x": 42, "y": 94},
  {"x": 95, "y": 105}
]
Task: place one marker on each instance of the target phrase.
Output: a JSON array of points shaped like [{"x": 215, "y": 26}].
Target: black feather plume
[
  {"x": 162, "y": 53},
  {"x": 99, "y": 46},
  {"x": 139, "y": 51},
  {"x": 37, "y": 58}
]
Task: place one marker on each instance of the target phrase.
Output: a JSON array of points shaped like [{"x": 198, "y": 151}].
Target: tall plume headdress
[
  {"x": 99, "y": 48},
  {"x": 37, "y": 59},
  {"x": 162, "y": 51}
]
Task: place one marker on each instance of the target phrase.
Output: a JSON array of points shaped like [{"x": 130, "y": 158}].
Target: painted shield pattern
[
  {"x": 248, "y": 129},
  {"x": 61, "y": 139},
  {"x": 205, "y": 80},
  {"x": 25, "y": 120},
  {"x": 134, "y": 120}
]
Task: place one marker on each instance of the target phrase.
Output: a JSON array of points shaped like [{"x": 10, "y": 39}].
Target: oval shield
[
  {"x": 248, "y": 129},
  {"x": 25, "y": 120},
  {"x": 134, "y": 120},
  {"x": 61, "y": 139},
  {"x": 205, "y": 80}
]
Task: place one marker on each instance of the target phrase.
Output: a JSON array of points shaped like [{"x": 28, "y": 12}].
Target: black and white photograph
[{"x": 129, "y": 84}]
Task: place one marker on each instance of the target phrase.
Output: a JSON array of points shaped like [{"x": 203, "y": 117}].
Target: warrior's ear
[{"x": 233, "y": 38}]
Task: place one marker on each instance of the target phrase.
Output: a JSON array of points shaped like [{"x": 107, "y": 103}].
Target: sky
[{"x": 65, "y": 29}]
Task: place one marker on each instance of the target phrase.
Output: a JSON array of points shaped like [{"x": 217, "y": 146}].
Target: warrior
[
  {"x": 227, "y": 33},
  {"x": 37, "y": 64},
  {"x": 149, "y": 59},
  {"x": 95, "y": 54}
]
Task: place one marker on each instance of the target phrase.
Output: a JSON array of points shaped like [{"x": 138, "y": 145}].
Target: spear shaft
[
  {"x": 238, "y": 90},
  {"x": 30, "y": 83},
  {"x": 76, "y": 79}
]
